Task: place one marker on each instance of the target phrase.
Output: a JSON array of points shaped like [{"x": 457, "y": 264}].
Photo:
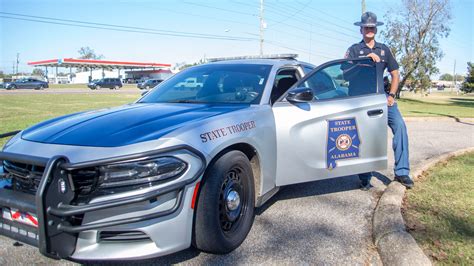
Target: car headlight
[{"x": 140, "y": 172}]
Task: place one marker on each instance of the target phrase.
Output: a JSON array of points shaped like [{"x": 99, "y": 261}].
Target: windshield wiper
[{"x": 185, "y": 101}]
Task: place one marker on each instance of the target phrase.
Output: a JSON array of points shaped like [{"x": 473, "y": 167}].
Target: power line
[
  {"x": 123, "y": 28},
  {"x": 200, "y": 16},
  {"x": 293, "y": 14},
  {"x": 281, "y": 45},
  {"x": 330, "y": 15},
  {"x": 278, "y": 10},
  {"x": 282, "y": 11},
  {"x": 221, "y": 9}
]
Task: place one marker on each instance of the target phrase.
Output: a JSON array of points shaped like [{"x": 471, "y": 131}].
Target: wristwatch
[{"x": 392, "y": 94}]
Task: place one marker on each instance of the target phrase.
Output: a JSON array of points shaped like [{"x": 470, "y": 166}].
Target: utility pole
[
  {"x": 13, "y": 70},
  {"x": 261, "y": 27},
  {"x": 363, "y": 6},
  {"x": 17, "y": 61},
  {"x": 454, "y": 76}
]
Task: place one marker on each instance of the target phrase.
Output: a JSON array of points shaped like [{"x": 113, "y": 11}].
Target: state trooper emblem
[{"x": 343, "y": 141}]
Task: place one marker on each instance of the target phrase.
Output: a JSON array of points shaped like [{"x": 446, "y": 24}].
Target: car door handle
[{"x": 375, "y": 112}]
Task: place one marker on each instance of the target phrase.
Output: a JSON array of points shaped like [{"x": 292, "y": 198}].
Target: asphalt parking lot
[{"x": 322, "y": 222}]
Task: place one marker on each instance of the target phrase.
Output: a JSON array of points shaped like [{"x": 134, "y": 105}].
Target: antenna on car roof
[{"x": 270, "y": 56}]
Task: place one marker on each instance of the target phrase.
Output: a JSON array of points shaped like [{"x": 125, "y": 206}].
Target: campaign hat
[{"x": 368, "y": 19}]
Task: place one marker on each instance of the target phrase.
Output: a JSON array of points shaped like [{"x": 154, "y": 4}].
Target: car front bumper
[{"x": 137, "y": 224}]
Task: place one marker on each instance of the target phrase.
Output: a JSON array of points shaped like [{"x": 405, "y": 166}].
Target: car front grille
[
  {"x": 25, "y": 177},
  {"x": 122, "y": 236}
]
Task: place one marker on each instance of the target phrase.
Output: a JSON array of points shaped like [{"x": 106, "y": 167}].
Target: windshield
[{"x": 213, "y": 83}]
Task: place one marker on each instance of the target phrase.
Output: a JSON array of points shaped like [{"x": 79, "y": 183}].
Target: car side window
[
  {"x": 344, "y": 79},
  {"x": 284, "y": 79}
]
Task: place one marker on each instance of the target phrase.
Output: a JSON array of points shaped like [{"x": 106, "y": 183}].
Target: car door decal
[{"x": 343, "y": 141}]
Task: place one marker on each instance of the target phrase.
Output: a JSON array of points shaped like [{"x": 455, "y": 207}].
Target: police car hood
[{"x": 123, "y": 125}]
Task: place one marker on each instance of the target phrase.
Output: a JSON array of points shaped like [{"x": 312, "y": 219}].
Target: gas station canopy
[{"x": 92, "y": 63}]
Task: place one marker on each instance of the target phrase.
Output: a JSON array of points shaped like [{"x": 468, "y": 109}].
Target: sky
[{"x": 165, "y": 31}]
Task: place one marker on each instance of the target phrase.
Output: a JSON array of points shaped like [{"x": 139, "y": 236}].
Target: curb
[
  {"x": 438, "y": 118},
  {"x": 395, "y": 245}
]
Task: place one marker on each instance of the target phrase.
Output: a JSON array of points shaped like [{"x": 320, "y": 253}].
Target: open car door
[{"x": 341, "y": 130}]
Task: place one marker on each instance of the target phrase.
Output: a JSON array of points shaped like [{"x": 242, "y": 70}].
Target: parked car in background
[
  {"x": 111, "y": 83},
  {"x": 148, "y": 84},
  {"x": 26, "y": 83},
  {"x": 190, "y": 83},
  {"x": 130, "y": 80}
]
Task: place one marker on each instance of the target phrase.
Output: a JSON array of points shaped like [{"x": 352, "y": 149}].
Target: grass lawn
[
  {"x": 18, "y": 112},
  {"x": 437, "y": 104},
  {"x": 439, "y": 212}
]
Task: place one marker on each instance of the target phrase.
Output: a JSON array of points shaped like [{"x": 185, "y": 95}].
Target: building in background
[{"x": 88, "y": 69}]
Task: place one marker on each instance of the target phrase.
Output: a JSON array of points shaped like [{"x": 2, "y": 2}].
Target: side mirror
[{"x": 300, "y": 95}]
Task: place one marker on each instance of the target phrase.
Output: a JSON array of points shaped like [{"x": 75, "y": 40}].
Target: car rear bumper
[{"x": 155, "y": 222}]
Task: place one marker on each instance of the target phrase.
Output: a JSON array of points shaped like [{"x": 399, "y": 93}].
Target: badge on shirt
[{"x": 382, "y": 53}]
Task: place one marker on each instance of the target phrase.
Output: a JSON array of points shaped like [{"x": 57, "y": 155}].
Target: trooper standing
[{"x": 379, "y": 52}]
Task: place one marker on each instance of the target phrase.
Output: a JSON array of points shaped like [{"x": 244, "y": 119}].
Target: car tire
[
  {"x": 97, "y": 87},
  {"x": 222, "y": 222},
  {"x": 116, "y": 87},
  {"x": 147, "y": 87},
  {"x": 12, "y": 87}
]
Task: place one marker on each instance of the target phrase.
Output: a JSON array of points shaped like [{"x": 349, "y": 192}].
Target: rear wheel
[
  {"x": 225, "y": 207},
  {"x": 116, "y": 87}
]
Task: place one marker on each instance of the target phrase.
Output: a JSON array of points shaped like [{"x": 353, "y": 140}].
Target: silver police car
[{"x": 188, "y": 167}]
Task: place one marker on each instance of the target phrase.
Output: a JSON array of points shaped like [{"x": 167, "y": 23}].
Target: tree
[
  {"x": 468, "y": 84},
  {"x": 449, "y": 77},
  {"x": 38, "y": 72},
  {"x": 413, "y": 34},
  {"x": 446, "y": 77},
  {"x": 88, "y": 53}
]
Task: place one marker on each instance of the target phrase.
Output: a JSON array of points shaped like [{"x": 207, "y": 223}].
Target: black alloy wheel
[{"x": 225, "y": 205}]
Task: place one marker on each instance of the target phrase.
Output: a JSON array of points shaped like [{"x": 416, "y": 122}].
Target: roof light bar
[{"x": 270, "y": 56}]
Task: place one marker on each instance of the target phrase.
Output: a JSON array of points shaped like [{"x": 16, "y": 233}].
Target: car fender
[{"x": 253, "y": 126}]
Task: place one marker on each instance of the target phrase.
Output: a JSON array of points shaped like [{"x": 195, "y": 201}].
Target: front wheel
[
  {"x": 97, "y": 87},
  {"x": 225, "y": 207}
]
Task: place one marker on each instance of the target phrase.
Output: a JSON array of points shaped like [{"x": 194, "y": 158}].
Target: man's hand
[
  {"x": 390, "y": 100},
  {"x": 374, "y": 57}
]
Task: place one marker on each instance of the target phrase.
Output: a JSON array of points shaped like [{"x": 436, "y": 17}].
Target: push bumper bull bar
[{"x": 57, "y": 236}]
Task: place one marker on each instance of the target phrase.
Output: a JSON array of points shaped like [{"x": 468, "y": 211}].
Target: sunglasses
[{"x": 369, "y": 28}]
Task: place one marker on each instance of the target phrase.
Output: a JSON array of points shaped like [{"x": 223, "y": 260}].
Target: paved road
[{"x": 323, "y": 222}]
